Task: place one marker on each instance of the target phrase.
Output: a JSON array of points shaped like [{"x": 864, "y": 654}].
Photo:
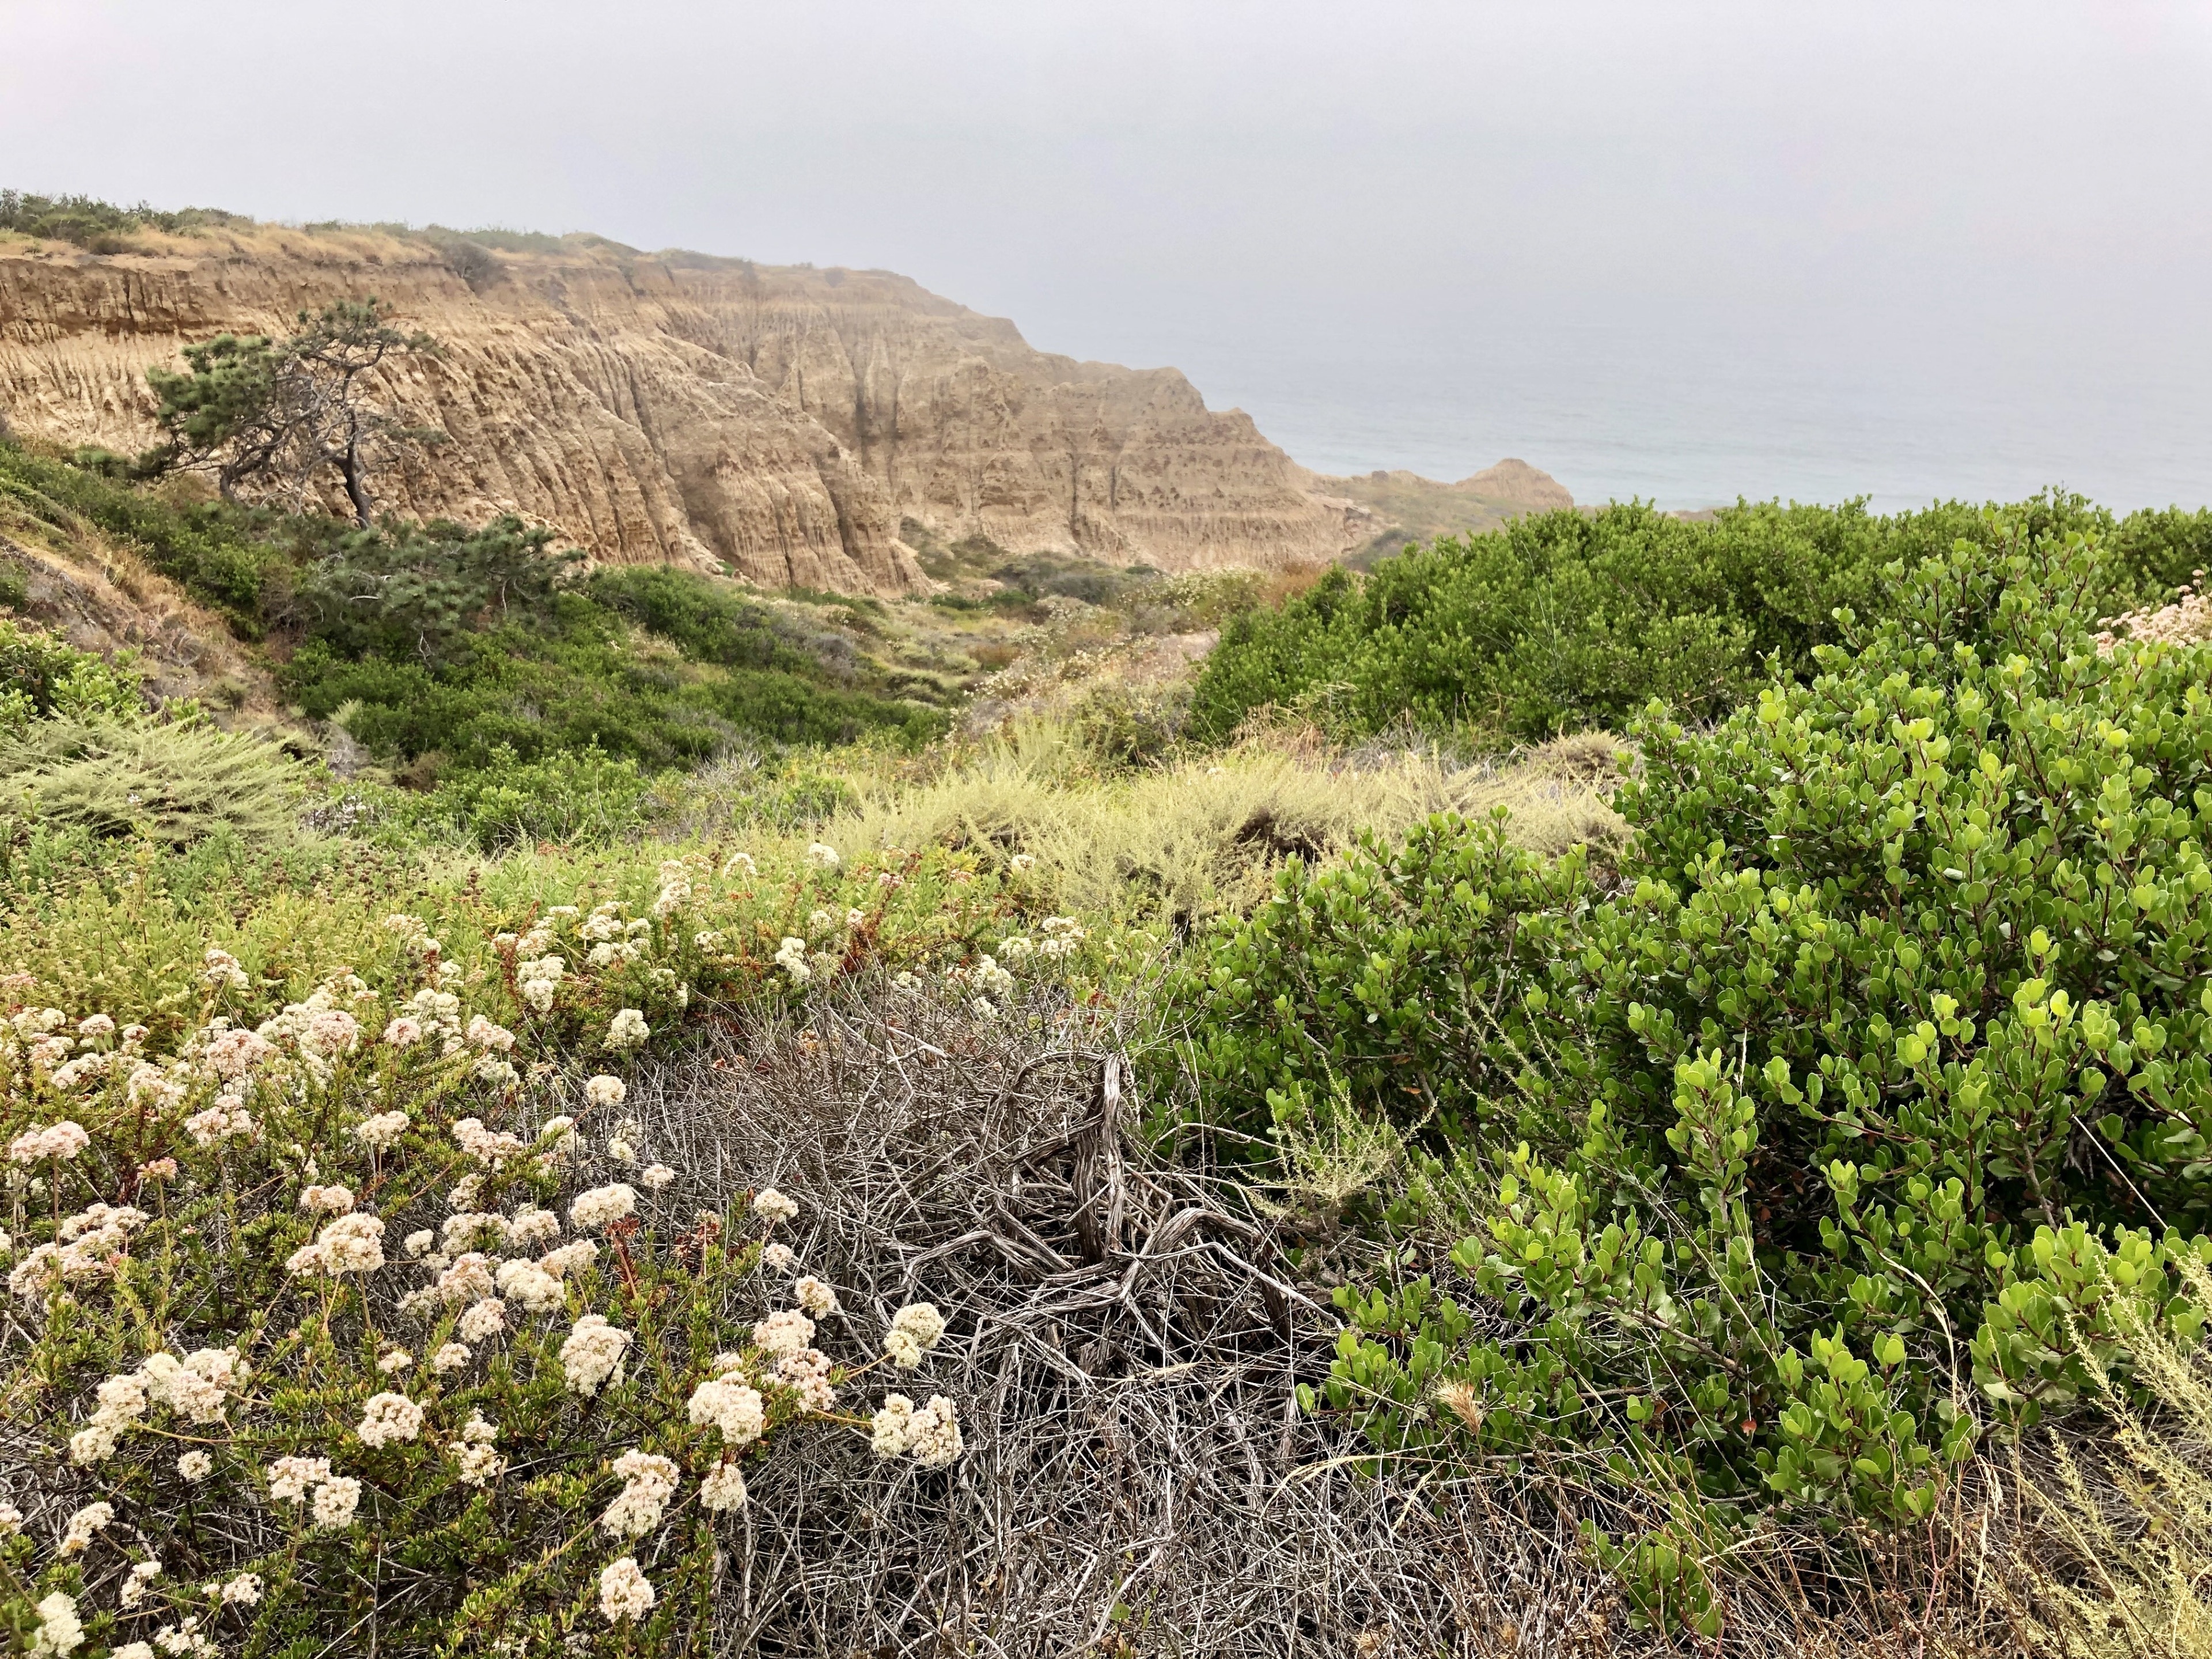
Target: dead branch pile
[{"x": 1124, "y": 1347}]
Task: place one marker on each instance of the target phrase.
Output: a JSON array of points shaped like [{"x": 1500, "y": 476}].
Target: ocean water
[{"x": 1697, "y": 416}]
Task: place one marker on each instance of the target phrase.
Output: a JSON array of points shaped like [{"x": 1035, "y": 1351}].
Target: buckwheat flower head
[
  {"x": 135, "y": 1586},
  {"x": 732, "y": 1406},
  {"x": 572, "y": 1257},
  {"x": 816, "y": 1296},
  {"x": 627, "y": 1030},
  {"x": 648, "y": 1482},
  {"x": 466, "y": 1279},
  {"x": 724, "y": 1488},
  {"x": 484, "y": 1035},
  {"x": 807, "y": 1372},
  {"x": 59, "y": 1631},
  {"x": 625, "y": 1595},
  {"x": 450, "y": 1358},
  {"x": 593, "y": 1354},
  {"x": 902, "y": 1349},
  {"x": 84, "y": 1526},
  {"x": 621, "y": 1151},
  {"x": 335, "y": 1500},
  {"x": 602, "y": 1205},
  {"x": 892, "y": 1425},
  {"x": 62, "y": 1140},
  {"x": 490, "y": 1146},
  {"x": 331, "y": 1201},
  {"x": 529, "y": 1226},
  {"x": 11, "y": 1521},
  {"x": 196, "y": 1466},
  {"x": 772, "y": 1207},
  {"x": 331, "y": 1032},
  {"x": 242, "y": 1591},
  {"x": 921, "y": 1320},
  {"x": 395, "y": 1362},
  {"x": 654, "y": 1177},
  {"x": 351, "y": 1244},
  {"x": 419, "y": 1241},
  {"x": 778, "y": 1256},
  {"x": 381, "y": 1131},
  {"x": 605, "y": 1090},
  {"x": 404, "y": 1032},
  {"x": 484, "y": 1320},
  {"x": 465, "y": 1192},
  {"x": 783, "y": 1333},
  {"x": 389, "y": 1417},
  {"x": 933, "y": 1438},
  {"x": 95, "y": 1025},
  {"x": 290, "y": 1477},
  {"x": 823, "y": 856}
]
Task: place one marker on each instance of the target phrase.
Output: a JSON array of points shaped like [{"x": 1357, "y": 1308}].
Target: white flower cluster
[
  {"x": 476, "y": 1452},
  {"x": 88, "y": 1248},
  {"x": 773, "y": 1207},
  {"x": 336, "y": 1497},
  {"x": 382, "y": 1132},
  {"x": 648, "y": 1482},
  {"x": 731, "y": 1404},
  {"x": 62, "y": 1141},
  {"x": 915, "y": 1329},
  {"x": 60, "y": 1631},
  {"x": 929, "y": 1434},
  {"x": 538, "y": 979},
  {"x": 791, "y": 957},
  {"x": 351, "y": 1244},
  {"x": 387, "y": 1417},
  {"x": 724, "y": 1488},
  {"x": 593, "y": 1355},
  {"x": 627, "y": 1030},
  {"x": 197, "y": 1388},
  {"x": 823, "y": 856},
  {"x": 625, "y": 1594},
  {"x": 84, "y": 1526},
  {"x": 603, "y": 1205}
]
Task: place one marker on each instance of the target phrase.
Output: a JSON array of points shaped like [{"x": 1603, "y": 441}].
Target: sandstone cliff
[
  {"x": 672, "y": 407},
  {"x": 1404, "y": 507}
]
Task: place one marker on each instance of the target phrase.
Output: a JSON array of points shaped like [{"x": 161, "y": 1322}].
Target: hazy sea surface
[{"x": 1696, "y": 417}]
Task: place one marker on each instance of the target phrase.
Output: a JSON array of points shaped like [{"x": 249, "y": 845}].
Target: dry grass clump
[
  {"x": 1205, "y": 835},
  {"x": 2111, "y": 1528}
]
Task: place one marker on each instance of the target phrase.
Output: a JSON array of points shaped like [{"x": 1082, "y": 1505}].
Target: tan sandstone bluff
[{"x": 778, "y": 422}]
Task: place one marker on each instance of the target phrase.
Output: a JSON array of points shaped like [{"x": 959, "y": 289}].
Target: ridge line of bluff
[{"x": 676, "y": 408}]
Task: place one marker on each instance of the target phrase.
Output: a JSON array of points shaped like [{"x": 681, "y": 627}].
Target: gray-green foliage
[{"x": 174, "y": 783}]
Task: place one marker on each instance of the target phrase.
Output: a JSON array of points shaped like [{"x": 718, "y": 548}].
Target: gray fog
[{"x": 1681, "y": 251}]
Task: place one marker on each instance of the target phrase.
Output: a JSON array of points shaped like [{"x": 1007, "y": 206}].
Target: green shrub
[
  {"x": 44, "y": 676},
  {"x": 101, "y": 227},
  {"x": 210, "y": 551},
  {"x": 570, "y": 796},
  {"x": 174, "y": 783},
  {"x": 1566, "y": 620},
  {"x": 1877, "y": 1077}
]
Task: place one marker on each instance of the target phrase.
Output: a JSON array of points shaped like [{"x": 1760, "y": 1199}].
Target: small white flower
[
  {"x": 605, "y": 1090},
  {"x": 772, "y": 1206},
  {"x": 723, "y": 1489},
  {"x": 60, "y": 1631},
  {"x": 625, "y": 1595},
  {"x": 655, "y": 1176},
  {"x": 734, "y": 1407},
  {"x": 196, "y": 1466},
  {"x": 823, "y": 856},
  {"x": 628, "y": 1030},
  {"x": 450, "y": 1358},
  {"x": 816, "y": 1296},
  {"x": 381, "y": 1131},
  {"x": 778, "y": 1256},
  {"x": 484, "y": 1320},
  {"x": 242, "y": 1591},
  {"x": 336, "y": 1501},
  {"x": 389, "y": 1417},
  {"x": 604, "y": 1205},
  {"x": 593, "y": 1354},
  {"x": 787, "y": 1332}
]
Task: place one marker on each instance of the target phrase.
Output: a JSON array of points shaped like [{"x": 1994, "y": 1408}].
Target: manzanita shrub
[{"x": 1828, "y": 1129}]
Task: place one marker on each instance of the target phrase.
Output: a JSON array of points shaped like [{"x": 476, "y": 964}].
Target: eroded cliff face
[{"x": 780, "y": 421}]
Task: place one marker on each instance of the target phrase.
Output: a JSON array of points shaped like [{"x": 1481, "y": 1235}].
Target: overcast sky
[{"x": 1327, "y": 213}]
